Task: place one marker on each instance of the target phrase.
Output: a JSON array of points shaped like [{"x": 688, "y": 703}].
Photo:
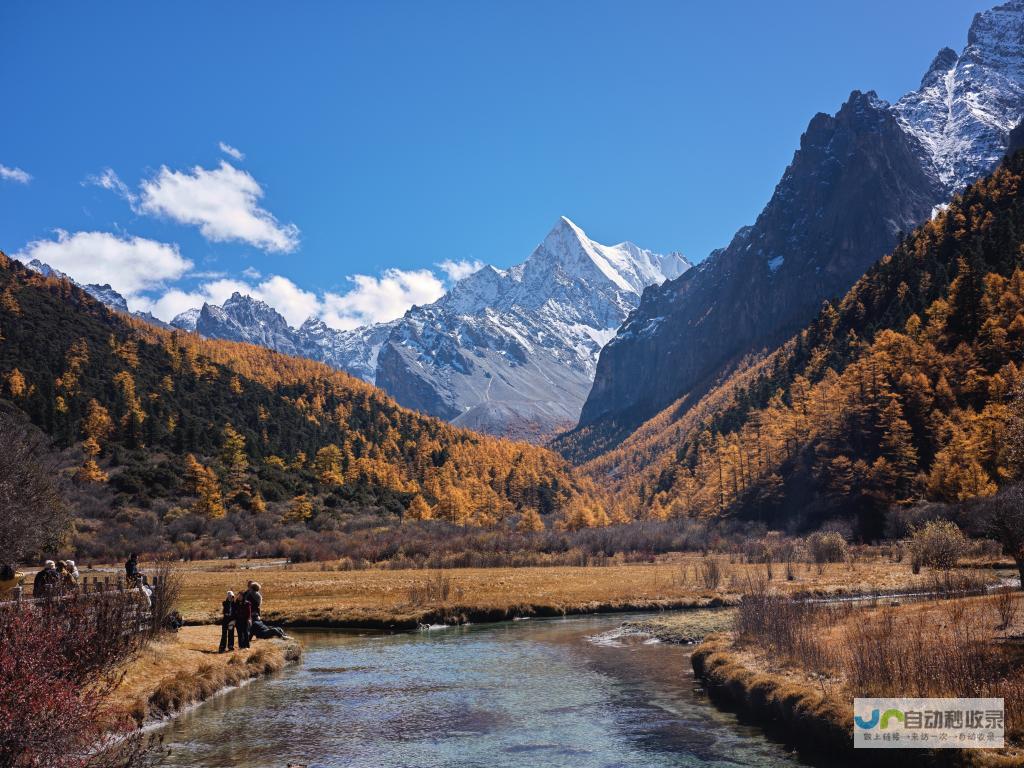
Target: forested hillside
[
  {"x": 903, "y": 390},
  {"x": 168, "y": 435}
]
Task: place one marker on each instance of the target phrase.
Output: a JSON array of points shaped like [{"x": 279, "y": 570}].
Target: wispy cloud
[
  {"x": 456, "y": 270},
  {"x": 14, "y": 174},
  {"x": 230, "y": 151},
  {"x": 110, "y": 181}
]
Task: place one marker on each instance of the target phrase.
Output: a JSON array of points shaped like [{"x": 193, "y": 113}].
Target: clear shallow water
[{"x": 526, "y": 693}]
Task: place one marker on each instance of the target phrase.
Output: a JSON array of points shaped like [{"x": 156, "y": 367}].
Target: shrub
[
  {"x": 58, "y": 662},
  {"x": 827, "y": 547},
  {"x": 711, "y": 571},
  {"x": 938, "y": 544}
]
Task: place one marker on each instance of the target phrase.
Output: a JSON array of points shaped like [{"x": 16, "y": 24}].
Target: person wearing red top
[{"x": 243, "y": 616}]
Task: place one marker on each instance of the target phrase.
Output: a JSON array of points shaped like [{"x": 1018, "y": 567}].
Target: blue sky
[{"x": 365, "y": 144}]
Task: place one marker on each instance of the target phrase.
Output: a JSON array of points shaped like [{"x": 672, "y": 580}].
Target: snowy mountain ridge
[{"x": 967, "y": 104}]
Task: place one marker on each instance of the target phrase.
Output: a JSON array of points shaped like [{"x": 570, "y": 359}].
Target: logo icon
[{"x": 870, "y": 722}]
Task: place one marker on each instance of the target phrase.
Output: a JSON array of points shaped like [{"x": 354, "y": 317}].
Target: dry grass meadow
[{"x": 316, "y": 594}]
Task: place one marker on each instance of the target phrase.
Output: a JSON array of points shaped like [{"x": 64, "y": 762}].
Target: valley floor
[{"x": 313, "y": 594}]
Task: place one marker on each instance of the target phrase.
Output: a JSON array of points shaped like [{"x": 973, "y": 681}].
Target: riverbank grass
[
  {"x": 796, "y": 667},
  {"x": 182, "y": 669}
]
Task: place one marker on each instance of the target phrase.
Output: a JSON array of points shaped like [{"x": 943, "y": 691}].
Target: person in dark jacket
[
  {"x": 243, "y": 615},
  {"x": 227, "y": 623},
  {"x": 255, "y": 598},
  {"x": 47, "y": 581},
  {"x": 131, "y": 569},
  {"x": 266, "y": 632}
]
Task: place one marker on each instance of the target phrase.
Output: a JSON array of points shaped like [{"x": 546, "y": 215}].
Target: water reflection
[{"x": 535, "y": 693}]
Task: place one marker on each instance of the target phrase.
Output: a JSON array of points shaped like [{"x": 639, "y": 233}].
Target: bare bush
[
  {"x": 827, "y": 547},
  {"x": 33, "y": 515},
  {"x": 436, "y": 588},
  {"x": 938, "y": 544},
  {"x": 712, "y": 572},
  {"x": 920, "y": 654},
  {"x": 1005, "y": 604},
  {"x": 167, "y": 585},
  {"x": 788, "y": 628}
]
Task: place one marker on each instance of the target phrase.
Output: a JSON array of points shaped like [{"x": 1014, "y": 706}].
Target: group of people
[
  {"x": 56, "y": 577},
  {"x": 240, "y": 613}
]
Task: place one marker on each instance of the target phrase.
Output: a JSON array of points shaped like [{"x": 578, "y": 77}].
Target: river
[{"x": 552, "y": 692}]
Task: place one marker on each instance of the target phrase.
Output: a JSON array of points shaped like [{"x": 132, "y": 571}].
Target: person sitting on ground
[
  {"x": 266, "y": 632},
  {"x": 255, "y": 598},
  {"x": 242, "y": 613},
  {"x": 47, "y": 581},
  {"x": 9, "y": 579},
  {"x": 227, "y": 623}
]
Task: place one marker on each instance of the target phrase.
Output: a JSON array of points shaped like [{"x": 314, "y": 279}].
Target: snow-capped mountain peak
[
  {"x": 967, "y": 105},
  {"x": 627, "y": 266},
  {"x": 514, "y": 351},
  {"x": 187, "y": 320},
  {"x": 104, "y": 294}
]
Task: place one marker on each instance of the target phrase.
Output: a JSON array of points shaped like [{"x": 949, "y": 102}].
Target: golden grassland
[
  {"x": 181, "y": 669},
  {"x": 313, "y": 594},
  {"x": 961, "y": 647}
]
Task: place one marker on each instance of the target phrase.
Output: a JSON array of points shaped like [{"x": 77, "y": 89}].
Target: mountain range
[
  {"x": 606, "y": 337},
  {"x": 859, "y": 179},
  {"x": 510, "y": 352}
]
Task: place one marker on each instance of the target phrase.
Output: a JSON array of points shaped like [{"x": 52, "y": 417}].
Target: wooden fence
[{"x": 99, "y": 588}]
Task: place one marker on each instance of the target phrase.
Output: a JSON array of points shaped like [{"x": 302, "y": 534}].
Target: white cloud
[
  {"x": 287, "y": 298},
  {"x": 371, "y": 300},
  {"x": 295, "y": 304},
  {"x": 379, "y": 299},
  {"x": 456, "y": 270},
  {"x": 15, "y": 174},
  {"x": 222, "y": 202},
  {"x": 230, "y": 151},
  {"x": 110, "y": 181},
  {"x": 175, "y": 301},
  {"x": 252, "y": 273},
  {"x": 131, "y": 265}
]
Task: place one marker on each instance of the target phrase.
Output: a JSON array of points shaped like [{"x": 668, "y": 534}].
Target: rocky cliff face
[
  {"x": 853, "y": 186},
  {"x": 243, "y": 318},
  {"x": 858, "y": 179},
  {"x": 514, "y": 351}
]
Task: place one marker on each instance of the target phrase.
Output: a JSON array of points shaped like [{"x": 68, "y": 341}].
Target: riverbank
[
  {"x": 316, "y": 595},
  {"x": 180, "y": 670},
  {"x": 800, "y": 689},
  {"x": 684, "y": 628}
]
